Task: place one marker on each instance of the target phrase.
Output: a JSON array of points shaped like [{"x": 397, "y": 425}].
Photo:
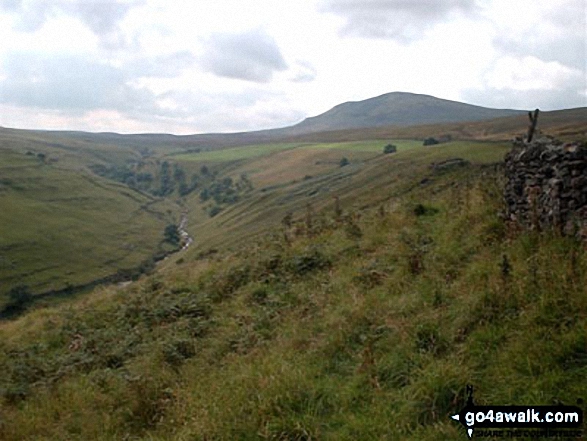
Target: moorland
[{"x": 332, "y": 291}]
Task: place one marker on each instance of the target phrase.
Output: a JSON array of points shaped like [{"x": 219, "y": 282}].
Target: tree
[
  {"x": 389, "y": 148},
  {"x": 214, "y": 210},
  {"x": 19, "y": 297},
  {"x": 172, "y": 234},
  {"x": 344, "y": 161},
  {"x": 204, "y": 195},
  {"x": 430, "y": 141}
]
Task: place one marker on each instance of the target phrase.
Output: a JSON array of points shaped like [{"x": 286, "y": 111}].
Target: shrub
[
  {"x": 311, "y": 260},
  {"x": 172, "y": 234},
  {"x": 389, "y": 148},
  {"x": 423, "y": 210},
  {"x": 214, "y": 210},
  {"x": 19, "y": 298}
]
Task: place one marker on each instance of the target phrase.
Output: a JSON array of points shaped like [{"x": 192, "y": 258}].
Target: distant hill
[
  {"x": 392, "y": 115},
  {"x": 397, "y": 109},
  {"x": 567, "y": 125}
]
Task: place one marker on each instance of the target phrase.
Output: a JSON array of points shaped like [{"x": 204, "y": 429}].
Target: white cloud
[
  {"x": 224, "y": 65},
  {"x": 551, "y": 31},
  {"x": 304, "y": 72},
  {"x": 530, "y": 73},
  {"x": 70, "y": 84},
  {"x": 101, "y": 17},
  {"x": 252, "y": 56},
  {"x": 529, "y": 82},
  {"x": 402, "y": 20}
]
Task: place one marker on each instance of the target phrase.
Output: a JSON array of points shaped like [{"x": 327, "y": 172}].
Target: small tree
[
  {"x": 214, "y": 210},
  {"x": 389, "y": 148},
  {"x": 172, "y": 234},
  {"x": 430, "y": 141},
  {"x": 20, "y": 296},
  {"x": 344, "y": 161}
]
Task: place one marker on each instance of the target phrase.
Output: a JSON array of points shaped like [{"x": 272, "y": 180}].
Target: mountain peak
[{"x": 398, "y": 109}]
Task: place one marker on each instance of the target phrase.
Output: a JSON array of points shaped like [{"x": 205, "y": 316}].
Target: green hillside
[
  {"x": 63, "y": 226},
  {"x": 362, "y": 317},
  {"x": 290, "y": 179}
]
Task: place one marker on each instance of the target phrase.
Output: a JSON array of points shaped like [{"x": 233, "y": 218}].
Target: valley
[{"x": 277, "y": 286}]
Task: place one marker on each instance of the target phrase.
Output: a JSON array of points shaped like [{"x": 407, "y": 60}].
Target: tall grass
[{"x": 369, "y": 325}]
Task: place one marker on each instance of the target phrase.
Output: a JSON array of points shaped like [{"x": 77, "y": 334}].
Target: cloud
[
  {"x": 529, "y": 82},
  {"x": 565, "y": 98},
  {"x": 304, "y": 72},
  {"x": 101, "y": 17},
  {"x": 252, "y": 108},
  {"x": 529, "y": 73},
  {"x": 401, "y": 20},
  {"x": 162, "y": 66},
  {"x": 70, "y": 84},
  {"x": 10, "y": 5},
  {"x": 561, "y": 34},
  {"x": 75, "y": 88},
  {"x": 251, "y": 56}
]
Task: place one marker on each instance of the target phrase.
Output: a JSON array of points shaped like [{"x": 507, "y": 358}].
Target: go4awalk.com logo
[{"x": 514, "y": 421}]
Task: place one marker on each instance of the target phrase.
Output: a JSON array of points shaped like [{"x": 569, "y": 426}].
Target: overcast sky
[{"x": 233, "y": 65}]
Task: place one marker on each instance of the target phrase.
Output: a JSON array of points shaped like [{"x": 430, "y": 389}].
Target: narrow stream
[{"x": 186, "y": 239}]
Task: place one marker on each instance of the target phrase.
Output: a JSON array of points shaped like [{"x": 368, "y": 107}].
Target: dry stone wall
[{"x": 546, "y": 185}]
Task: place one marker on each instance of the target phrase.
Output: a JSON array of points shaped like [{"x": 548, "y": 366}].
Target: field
[
  {"x": 234, "y": 153},
  {"x": 63, "y": 226},
  {"x": 287, "y": 181}
]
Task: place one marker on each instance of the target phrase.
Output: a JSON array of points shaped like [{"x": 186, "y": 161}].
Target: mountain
[{"x": 397, "y": 109}]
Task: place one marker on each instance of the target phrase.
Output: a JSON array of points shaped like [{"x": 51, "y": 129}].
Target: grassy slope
[
  {"x": 282, "y": 184},
  {"x": 568, "y": 124},
  {"x": 61, "y": 225},
  {"x": 368, "y": 326}
]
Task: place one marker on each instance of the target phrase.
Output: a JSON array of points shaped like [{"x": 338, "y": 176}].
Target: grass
[
  {"x": 366, "y": 326},
  {"x": 287, "y": 181},
  {"x": 234, "y": 153},
  {"x": 370, "y": 146},
  {"x": 253, "y": 151},
  {"x": 358, "y": 319},
  {"x": 62, "y": 227}
]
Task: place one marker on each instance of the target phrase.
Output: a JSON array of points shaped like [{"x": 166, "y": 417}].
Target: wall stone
[{"x": 546, "y": 185}]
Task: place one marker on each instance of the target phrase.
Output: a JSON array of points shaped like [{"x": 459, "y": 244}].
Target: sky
[{"x": 202, "y": 66}]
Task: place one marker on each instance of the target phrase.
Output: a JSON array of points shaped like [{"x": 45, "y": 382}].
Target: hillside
[
  {"x": 397, "y": 109},
  {"x": 332, "y": 292},
  {"x": 364, "y": 320},
  {"x": 569, "y": 124},
  {"x": 63, "y": 226},
  {"x": 97, "y": 179}
]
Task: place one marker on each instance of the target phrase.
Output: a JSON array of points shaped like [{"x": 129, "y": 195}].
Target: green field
[
  {"x": 235, "y": 153},
  {"x": 253, "y": 151},
  {"x": 67, "y": 227},
  {"x": 375, "y": 146},
  {"x": 287, "y": 181}
]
